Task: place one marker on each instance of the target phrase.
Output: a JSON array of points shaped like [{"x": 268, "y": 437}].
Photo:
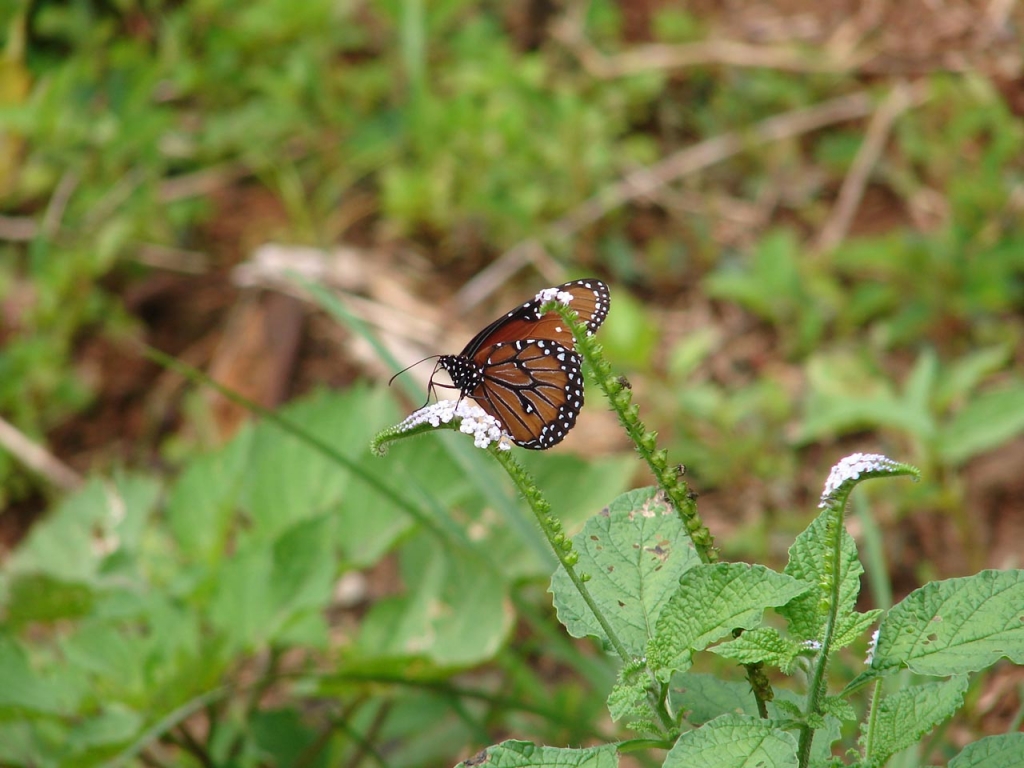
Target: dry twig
[
  {"x": 204, "y": 182},
  {"x": 37, "y": 458},
  {"x": 658, "y": 56},
  {"x": 901, "y": 98},
  {"x": 58, "y": 202},
  {"x": 18, "y": 229}
]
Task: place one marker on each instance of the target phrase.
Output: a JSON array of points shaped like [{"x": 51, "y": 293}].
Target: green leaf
[
  {"x": 734, "y": 741},
  {"x": 966, "y": 372},
  {"x": 239, "y": 608},
  {"x": 368, "y": 525},
  {"x": 41, "y": 597},
  {"x": 902, "y": 718},
  {"x": 828, "y": 417},
  {"x": 710, "y": 602},
  {"x": 853, "y": 625},
  {"x": 179, "y": 653},
  {"x": 630, "y": 335},
  {"x": 202, "y": 502},
  {"x": 523, "y": 754},
  {"x": 703, "y": 697},
  {"x": 114, "y": 658},
  {"x": 77, "y": 537},
  {"x": 807, "y": 557},
  {"x": 114, "y": 725},
  {"x": 771, "y": 286},
  {"x": 288, "y": 480},
  {"x": 634, "y": 553},
  {"x": 848, "y": 393},
  {"x": 955, "y": 626},
  {"x": 839, "y": 708},
  {"x": 991, "y": 752},
  {"x": 135, "y": 497},
  {"x": 268, "y": 585},
  {"x": 25, "y": 691},
  {"x": 920, "y": 384},
  {"x": 455, "y": 611},
  {"x": 626, "y": 699},
  {"x": 985, "y": 422},
  {"x": 303, "y": 570},
  {"x": 20, "y": 744},
  {"x": 763, "y": 644},
  {"x": 575, "y": 488},
  {"x": 283, "y": 738}
]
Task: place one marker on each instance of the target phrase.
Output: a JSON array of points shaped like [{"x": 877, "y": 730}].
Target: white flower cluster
[
  {"x": 851, "y": 468},
  {"x": 871, "y": 648},
  {"x": 553, "y": 294},
  {"x": 475, "y": 421}
]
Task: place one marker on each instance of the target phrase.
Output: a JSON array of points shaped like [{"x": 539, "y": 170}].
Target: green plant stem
[
  {"x": 567, "y": 557},
  {"x": 553, "y": 532},
  {"x": 645, "y": 441},
  {"x": 165, "y": 725},
  {"x": 189, "y": 743},
  {"x": 315, "y": 749},
  {"x": 364, "y": 741},
  {"x": 869, "y": 729},
  {"x": 873, "y": 554},
  {"x": 150, "y": 760},
  {"x": 817, "y": 689},
  {"x": 668, "y": 478}
]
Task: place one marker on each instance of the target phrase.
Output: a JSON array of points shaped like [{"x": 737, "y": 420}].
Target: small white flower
[
  {"x": 553, "y": 294},
  {"x": 475, "y": 421},
  {"x": 812, "y": 645},
  {"x": 851, "y": 468},
  {"x": 871, "y": 648}
]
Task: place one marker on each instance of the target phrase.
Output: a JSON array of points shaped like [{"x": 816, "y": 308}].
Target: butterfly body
[{"x": 523, "y": 368}]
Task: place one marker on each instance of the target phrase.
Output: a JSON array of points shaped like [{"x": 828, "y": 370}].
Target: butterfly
[{"x": 523, "y": 369}]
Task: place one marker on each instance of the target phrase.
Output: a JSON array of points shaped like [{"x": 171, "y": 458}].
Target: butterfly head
[{"x": 465, "y": 374}]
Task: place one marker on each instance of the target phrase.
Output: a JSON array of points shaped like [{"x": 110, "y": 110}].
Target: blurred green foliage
[
  {"x": 117, "y": 119},
  {"x": 133, "y": 606}
]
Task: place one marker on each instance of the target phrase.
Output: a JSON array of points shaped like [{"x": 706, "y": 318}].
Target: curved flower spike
[
  {"x": 474, "y": 421},
  {"x": 849, "y": 470}
]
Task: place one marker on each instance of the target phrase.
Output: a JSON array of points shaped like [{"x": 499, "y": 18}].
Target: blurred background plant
[{"x": 811, "y": 222}]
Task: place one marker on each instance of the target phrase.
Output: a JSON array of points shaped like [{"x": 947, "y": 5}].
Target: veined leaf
[
  {"x": 763, "y": 644},
  {"x": 988, "y": 420},
  {"x": 634, "y": 553},
  {"x": 955, "y": 626},
  {"x": 523, "y": 754},
  {"x": 807, "y": 563},
  {"x": 902, "y": 718},
  {"x": 710, "y": 602},
  {"x": 734, "y": 741},
  {"x": 455, "y": 612},
  {"x": 24, "y": 691},
  {"x": 991, "y": 752}
]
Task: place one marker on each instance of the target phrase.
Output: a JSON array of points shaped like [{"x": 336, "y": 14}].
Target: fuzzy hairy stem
[{"x": 669, "y": 479}]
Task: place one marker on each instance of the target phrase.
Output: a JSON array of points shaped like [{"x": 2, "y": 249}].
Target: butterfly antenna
[
  {"x": 431, "y": 384},
  {"x": 428, "y": 357}
]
